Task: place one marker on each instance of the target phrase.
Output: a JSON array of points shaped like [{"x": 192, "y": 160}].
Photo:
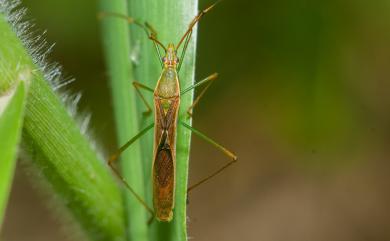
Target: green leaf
[{"x": 12, "y": 105}]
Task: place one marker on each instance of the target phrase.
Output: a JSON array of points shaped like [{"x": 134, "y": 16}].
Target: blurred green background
[{"x": 303, "y": 99}]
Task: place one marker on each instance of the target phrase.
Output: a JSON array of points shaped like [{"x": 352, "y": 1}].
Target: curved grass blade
[
  {"x": 11, "y": 119},
  {"x": 64, "y": 158}
]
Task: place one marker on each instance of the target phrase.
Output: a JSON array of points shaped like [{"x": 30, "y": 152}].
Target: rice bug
[{"x": 166, "y": 96}]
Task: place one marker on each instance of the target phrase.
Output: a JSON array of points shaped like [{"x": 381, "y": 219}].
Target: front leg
[
  {"x": 138, "y": 86},
  {"x": 209, "y": 80}
]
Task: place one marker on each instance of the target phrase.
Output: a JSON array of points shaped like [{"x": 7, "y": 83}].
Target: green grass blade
[
  {"x": 170, "y": 18},
  {"x": 10, "y": 129},
  {"x": 115, "y": 34},
  {"x": 62, "y": 154}
]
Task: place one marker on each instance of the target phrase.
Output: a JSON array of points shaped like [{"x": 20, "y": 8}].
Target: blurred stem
[
  {"x": 11, "y": 120},
  {"x": 61, "y": 153},
  {"x": 116, "y": 41}
]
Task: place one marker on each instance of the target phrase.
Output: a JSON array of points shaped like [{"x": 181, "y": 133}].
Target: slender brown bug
[{"x": 166, "y": 96}]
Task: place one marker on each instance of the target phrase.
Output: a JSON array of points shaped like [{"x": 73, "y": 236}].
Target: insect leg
[
  {"x": 209, "y": 80},
  {"x": 115, "y": 156},
  {"x": 221, "y": 148},
  {"x": 183, "y": 52},
  {"x": 203, "y": 81},
  {"x": 153, "y": 36},
  {"x": 138, "y": 86},
  {"x": 148, "y": 29}
]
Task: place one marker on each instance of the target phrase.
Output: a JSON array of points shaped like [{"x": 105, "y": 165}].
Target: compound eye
[
  {"x": 164, "y": 59},
  {"x": 177, "y": 60}
]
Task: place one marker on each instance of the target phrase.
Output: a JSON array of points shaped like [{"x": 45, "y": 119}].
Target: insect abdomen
[{"x": 163, "y": 185}]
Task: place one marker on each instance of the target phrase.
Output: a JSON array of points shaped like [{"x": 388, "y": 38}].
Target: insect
[{"x": 166, "y": 97}]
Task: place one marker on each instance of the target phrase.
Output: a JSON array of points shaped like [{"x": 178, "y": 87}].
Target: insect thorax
[{"x": 168, "y": 84}]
